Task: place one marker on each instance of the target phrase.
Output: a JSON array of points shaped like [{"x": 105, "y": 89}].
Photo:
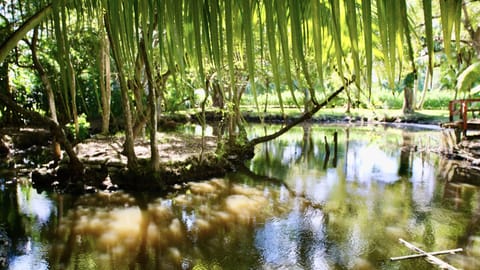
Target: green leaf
[
  {"x": 367, "y": 34},
  {"x": 272, "y": 47},
  {"x": 469, "y": 76},
  {"x": 427, "y": 14},
  {"x": 282, "y": 21}
]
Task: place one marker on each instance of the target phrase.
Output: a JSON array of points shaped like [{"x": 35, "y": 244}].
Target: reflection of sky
[
  {"x": 40, "y": 207},
  {"x": 282, "y": 241},
  {"x": 369, "y": 163},
  {"x": 319, "y": 191},
  {"x": 35, "y": 205},
  {"x": 291, "y": 153},
  {"x": 366, "y": 169},
  {"x": 32, "y": 259},
  {"x": 423, "y": 179}
]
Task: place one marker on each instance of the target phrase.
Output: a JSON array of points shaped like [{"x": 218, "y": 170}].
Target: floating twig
[
  {"x": 413, "y": 256},
  {"x": 430, "y": 258}
]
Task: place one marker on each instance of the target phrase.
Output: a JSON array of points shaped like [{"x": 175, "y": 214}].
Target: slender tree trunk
[
  {"x": 5, "y": 89},
  {"x": 48, "y": 89},
  {"x": 155, "y": 158},
  {"x": 72, "y": 82},
  {"x": 137, "y": 86},
  {"x": 408, "y": 100},
  {"x": 105, "y": 89},
  {"x": 426, "y": 86},
  {"x": 65, "y": 63},
  {"x": 127, "y": 112}
]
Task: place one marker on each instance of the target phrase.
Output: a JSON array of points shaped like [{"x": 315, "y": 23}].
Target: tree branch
[
  {"x": 307, "y": 115},
  {"x": 28, "y": 25},
  {"x": 57, "y": 131}
]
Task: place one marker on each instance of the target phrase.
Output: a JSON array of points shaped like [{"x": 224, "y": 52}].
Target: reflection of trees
[
  {"x": 405, "y": 167},
  {"x": 211, "y": 219},
  {"x": 305, "y": 149},
  {"x": 302, "y": 230},
  {"x": 11, "y": 221}
]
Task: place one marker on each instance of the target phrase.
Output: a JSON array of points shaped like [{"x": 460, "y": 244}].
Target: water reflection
[
  {"x": 294, "y": 207},
  {"x": 111, "y": 231},
  {"x": 384, "y": 187}
]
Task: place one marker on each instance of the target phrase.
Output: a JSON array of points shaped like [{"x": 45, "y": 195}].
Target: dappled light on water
[
  {"x": 115, "y": 230},
  {"x": 292, "y": 207}
]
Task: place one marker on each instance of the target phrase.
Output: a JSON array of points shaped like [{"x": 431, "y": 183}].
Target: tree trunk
[
  {"x": 474, "y": 33},
  {"x": 155, "y": 158},
  {"x": 49, "y": 91},
  {"x": 57, "y": 131},
  {"x": 105, "y": 89},
  {"x": 408, "y": 101},
  {"x": 408, "y": 95},
  {"x": 137, "y": 87},
  {"x": 426, "y": 86},
  {"x": 129, "y": 149},
  {"x": 5, "y": 90}
]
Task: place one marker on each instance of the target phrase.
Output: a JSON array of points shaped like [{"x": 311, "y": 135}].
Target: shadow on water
[{"x": 293, "y": 206}]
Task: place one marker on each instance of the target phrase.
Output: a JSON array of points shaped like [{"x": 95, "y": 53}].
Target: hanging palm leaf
[
  {"x": 367, "y": 35},
  {"x": 427, "y": 13},
  {"x": 297, "y": 44},
  {"x": 337, "y": 35},
  {"x": 468, "y": 77},
  {"x": 282, "y": 21},
  {"x": 318, "y": 15},
  {"x": 448, "y": 11},
  {"x": 272, "y": 48},
  {"x": 229, "y": 40},
  {"x": 353, "y": 32}
]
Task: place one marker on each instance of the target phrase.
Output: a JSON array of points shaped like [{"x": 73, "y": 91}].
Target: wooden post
[
  {"x": 327, "y": 152},
  {"x": 335, "y": 149}
]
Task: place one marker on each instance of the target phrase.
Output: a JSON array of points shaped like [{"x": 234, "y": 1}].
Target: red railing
[{"x": 462, "y": 111}]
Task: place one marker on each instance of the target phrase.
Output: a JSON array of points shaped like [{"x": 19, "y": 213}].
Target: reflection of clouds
[
  {"x": 423, "y": 179},
  {"x": 294, "y": 242},
  {"x": 33, "y": 259},
  {"x": 367, "y": 163},
  {"x": 319, "y": 191},
  {"x": 39, "y": 207},
  {"x": 291, "y": 153},
  {"x": 356, "y": 246},
  {"x": 36, "y": 205}
]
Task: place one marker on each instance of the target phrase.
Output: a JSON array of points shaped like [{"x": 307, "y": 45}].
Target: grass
[{"x": 338, "y": 113}]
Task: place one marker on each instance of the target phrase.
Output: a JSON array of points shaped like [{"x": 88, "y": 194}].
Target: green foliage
[
  {"x": 386, "y": 100},
  {"x": 435, "y": 100},
  {"x": 292, "y": 50},
  {"x": 438, "y": 99},
  {"x": 84, "y": 131},
  {"x": 468, "y": 77}
]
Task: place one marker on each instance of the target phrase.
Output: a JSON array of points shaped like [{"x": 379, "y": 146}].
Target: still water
[{"x": 293, "y": 206}]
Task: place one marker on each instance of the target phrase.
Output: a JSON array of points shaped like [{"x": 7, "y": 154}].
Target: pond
[{"x": 293, "y": 206}]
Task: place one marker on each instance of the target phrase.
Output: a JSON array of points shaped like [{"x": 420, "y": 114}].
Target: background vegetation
[{"x": 122, "y": 65}]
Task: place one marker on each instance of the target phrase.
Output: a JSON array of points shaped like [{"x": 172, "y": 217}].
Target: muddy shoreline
[{"x": 183, "y": 157}]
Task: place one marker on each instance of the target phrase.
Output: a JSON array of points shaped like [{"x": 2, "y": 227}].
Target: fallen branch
[
  {"x": 430, "y": 258},
  {"x": 307, "y": 115},
  {"x": 414, "y": 256},
  {"x": 55, "y": 128}
]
